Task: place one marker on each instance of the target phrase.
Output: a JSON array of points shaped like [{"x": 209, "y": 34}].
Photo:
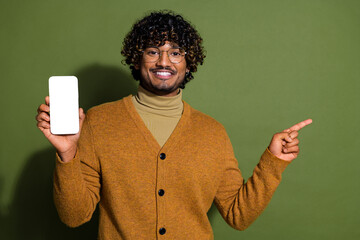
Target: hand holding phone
[{"x": 65, "y": 144}]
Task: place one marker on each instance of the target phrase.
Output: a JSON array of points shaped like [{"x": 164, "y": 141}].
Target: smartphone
[{"x": 64, "y": 105}]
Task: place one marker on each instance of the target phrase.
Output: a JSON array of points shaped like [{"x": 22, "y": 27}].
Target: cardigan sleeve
[
  {"x": 240, "y": 202},
  {"x": 77, "y": 183}
]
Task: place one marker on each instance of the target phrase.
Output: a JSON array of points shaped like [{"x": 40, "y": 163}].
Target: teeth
[{"x": 163, "y": 73}]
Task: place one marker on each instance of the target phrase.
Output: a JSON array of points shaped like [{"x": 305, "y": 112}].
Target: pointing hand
[{"x": 284, "y": 145}]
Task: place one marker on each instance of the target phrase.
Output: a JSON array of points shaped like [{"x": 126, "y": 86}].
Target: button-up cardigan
[{"x": 120, "y": 165}]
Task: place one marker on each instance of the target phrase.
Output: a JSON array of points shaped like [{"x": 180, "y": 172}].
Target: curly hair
[{"x": 154, "y": 30}]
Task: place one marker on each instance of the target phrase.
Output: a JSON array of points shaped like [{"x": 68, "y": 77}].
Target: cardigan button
[
  {"x": 161, "y": 192},
  {"x": 162, "y": 156},
  {"x": 162, "y": 231}
]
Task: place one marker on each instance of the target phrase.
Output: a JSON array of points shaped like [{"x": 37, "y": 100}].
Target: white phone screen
[{"x": 64, "y": 105}]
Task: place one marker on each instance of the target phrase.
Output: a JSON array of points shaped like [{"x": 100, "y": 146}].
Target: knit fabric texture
[
  {"x": 146, "y": 191},
  {"x": 160, "y": 114}
]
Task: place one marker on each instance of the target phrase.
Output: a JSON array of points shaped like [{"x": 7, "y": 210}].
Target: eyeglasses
[{"x": 152, "y": 54}]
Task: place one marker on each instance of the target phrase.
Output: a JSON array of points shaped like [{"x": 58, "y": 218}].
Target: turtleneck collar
[{"x": 147, "y": 102}]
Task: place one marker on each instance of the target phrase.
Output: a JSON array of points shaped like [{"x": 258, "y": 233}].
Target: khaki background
[{"x": 269, "y": 65}]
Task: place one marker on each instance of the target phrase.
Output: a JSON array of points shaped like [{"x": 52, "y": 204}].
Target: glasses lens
[
  {"x": 152, "y": 54},
  {"x": 176, "y": 55}
]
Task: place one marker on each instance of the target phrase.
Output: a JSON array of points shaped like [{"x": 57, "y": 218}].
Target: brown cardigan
[{"x": 149, "y": 192}]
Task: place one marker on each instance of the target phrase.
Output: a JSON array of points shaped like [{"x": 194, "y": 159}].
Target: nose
[{"x": 164, "y": 60}]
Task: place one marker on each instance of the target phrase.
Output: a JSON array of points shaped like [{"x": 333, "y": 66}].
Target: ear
[{"x": 137, "y": 66}]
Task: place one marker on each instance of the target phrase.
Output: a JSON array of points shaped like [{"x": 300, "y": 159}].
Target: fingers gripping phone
[{"x": 64, "y": 105}]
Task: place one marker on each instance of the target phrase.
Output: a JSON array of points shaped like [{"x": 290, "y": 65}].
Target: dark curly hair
[{"x": 154, "y": 30}]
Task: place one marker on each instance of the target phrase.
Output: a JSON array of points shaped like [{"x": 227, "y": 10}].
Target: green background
[{"x": 269, "y": 65}]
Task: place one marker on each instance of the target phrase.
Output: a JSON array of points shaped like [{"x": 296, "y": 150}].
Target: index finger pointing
[{"x": 300, "y": 125}]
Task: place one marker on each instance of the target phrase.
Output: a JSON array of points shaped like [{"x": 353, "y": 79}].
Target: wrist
[{"x": 68, "y": 155}]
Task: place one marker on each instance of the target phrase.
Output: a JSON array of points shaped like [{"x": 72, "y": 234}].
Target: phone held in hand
[{"x": 64, "y": 105}]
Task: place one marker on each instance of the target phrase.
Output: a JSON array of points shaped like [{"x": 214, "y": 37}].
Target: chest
[{"x": 190, "y": 167}]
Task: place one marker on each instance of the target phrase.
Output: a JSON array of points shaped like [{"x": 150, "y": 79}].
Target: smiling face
[{"x": 162, "y": 77}]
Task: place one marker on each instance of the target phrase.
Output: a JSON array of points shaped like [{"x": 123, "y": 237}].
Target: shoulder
[
  {"x": 109, "y": 110},
  {"x": 203, "y": 121}
]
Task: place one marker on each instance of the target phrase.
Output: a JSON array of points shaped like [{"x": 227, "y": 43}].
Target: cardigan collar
[
  {"x": 175, "y": 136},
  {"x": 150, "y": 103}
]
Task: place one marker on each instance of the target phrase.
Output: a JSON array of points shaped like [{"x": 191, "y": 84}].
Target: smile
[{"x": 163, "y": 74}]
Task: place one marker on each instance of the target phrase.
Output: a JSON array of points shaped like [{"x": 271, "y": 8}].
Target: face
[{"x": 162, "y": 77}]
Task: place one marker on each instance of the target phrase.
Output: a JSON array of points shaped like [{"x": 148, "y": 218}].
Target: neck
[
  {"x": 165, "y": 93},
  {"x": 160, "y": 114},
  {"x": 163, "y": 105}
]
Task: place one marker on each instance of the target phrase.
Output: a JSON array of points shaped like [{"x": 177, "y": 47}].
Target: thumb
[
  {"x": 47, "y": 100},
  {"x": 277, "y": 142},
  {"x": 81, "y": 117}
]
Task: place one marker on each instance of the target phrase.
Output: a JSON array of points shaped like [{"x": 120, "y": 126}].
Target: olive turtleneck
[{"x": 160, "y": 114}]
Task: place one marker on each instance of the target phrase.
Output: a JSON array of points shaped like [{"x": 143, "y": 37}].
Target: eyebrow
[{"x": 171, "y": 46}]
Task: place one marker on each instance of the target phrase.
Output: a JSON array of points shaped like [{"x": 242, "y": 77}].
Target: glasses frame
[{"x": 167, "y": 52}]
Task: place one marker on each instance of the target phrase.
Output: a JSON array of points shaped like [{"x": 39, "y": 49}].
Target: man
[{"x": 154, "y": 164}]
